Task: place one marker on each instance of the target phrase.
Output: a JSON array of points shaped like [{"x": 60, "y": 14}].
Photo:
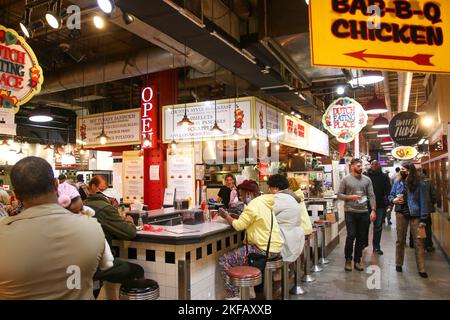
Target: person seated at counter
[
  {"x": 228, "y": 192},
  {"x": 300, "y": 197},
  {"x": 97, "y": 184},
  {"x": 114, "y": 227},
  {"x": 46, "y": 248},
  {"x": 256, "y": 221},
  {"x": 287, "y": 212}
]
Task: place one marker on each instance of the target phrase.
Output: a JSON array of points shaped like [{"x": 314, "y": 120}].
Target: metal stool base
[
  {"x": 298, "y": 291},
  {"x": 324, "y": 261},
  {"x": 308, "y": 278},
  {"x": 316, "y": 268}
]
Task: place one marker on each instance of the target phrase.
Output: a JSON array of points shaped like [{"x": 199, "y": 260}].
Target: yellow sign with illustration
[
  {"x": 396, "y": 35},
  {"x": 404, "y": 153}
]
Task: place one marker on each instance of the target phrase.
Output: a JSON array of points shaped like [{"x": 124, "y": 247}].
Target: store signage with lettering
[
  {"x": 404, "y": 153},
  {"x": 397, "y": 35},
  {"x": 21, "y": 76},
  {"x": 344, "y": 119},
  {"x": 405, "y": 128},
  {"x": 268, "y": 121},
  {"x": 122, "y": 127},
  {"x": 203, "y": 115},
  {"x": 149, "y": 117}
]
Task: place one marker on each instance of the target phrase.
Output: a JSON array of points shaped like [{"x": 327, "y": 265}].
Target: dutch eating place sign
[{"x": 381, "y": 34}]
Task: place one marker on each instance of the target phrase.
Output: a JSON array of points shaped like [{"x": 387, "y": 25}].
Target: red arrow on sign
[{"x": 420, "y": 59}]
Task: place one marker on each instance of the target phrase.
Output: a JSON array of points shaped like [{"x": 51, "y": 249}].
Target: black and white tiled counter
[{"x": 185, "y": 265}]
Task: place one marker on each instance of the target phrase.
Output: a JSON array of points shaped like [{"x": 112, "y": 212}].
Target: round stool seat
[
  {"x": 244, "y": 276},
  {"x": 141, "y": 289}
]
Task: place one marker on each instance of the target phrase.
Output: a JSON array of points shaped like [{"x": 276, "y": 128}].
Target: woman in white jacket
[{"x": 287, "y": 213}]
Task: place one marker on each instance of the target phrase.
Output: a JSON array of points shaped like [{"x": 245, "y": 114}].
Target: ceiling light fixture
[
  {"x": 107, "y": 6},
  {"x": 40, "y": 115},
  {"x": 99, "y": 22},
  {"x": 366, "y": 77},
  {"x": 386, "y": 141},
  {"x": 25, "y": 24},
  {"x": 376, "y": 105},
  {"x": 380, "y": 123},
  {"x": 340, "y": 90},
  {"x": 103, "y": 136},
  {"x": 185, "y": 122},
  {"x": 53, "y": 15},
  {"x": 127, "y": 17},
  {"x": 384, "y": 133}
]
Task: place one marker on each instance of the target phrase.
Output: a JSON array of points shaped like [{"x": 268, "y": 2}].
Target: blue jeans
[{"x": 378, "y": 228}]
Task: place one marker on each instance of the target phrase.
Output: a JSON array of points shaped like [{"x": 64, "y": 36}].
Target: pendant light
[
  {"x": 5, "y": 142},
  {"x": 48, "y": 146},
  {"x": 173, "y": 143},
  {"x": 102, "y": 136},
  {"x": 53, "y": 15},
  {"x": 185, "y": 122},
  {"x": 386, "y": 141},
  {"x": 277, "y": 145},
  {"x": 380, "y": 123},
  {"x": 384, "y": 133},
  {"x": 215, "y": 129},
  {"x": 20, "y": 151},
  {"x": 267, "y": 142},
  {"x": 107, "y": 6},
  {"x": 82, "y": 150},
  {"x": 366, "y": 77},
  {"x": 376, "y": 105}
]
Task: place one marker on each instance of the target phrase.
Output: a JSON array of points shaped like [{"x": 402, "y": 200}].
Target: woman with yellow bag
[{"x": 305, "y": 220}]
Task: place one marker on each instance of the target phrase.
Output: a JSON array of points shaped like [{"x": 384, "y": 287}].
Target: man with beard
[
  {"x": 356, "y": 190},
  {"x": 382, "y": 188}
]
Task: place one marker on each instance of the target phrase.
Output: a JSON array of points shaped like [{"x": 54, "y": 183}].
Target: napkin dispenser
[{"x": 192, "y": 217}]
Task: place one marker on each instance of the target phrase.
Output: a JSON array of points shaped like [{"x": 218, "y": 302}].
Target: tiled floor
[{"x": 335, "y": 283}]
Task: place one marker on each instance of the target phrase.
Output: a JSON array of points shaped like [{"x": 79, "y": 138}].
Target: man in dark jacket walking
[
  {"x": 114, "y": 227},
  {"x": 381, "y": 187}
]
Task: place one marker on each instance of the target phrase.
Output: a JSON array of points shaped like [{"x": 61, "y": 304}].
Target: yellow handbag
[{"x": 305, "y": 220}]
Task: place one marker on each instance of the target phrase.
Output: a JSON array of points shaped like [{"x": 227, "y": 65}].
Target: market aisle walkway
[{"x": 335, "y": 283}]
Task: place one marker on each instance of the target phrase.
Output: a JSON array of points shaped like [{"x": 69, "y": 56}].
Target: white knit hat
[{"x": 66, "y": 193}]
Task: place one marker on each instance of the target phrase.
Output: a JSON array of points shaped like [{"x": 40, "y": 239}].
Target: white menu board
[
  {"x": 133, "y": 177},
  {"x": 181, "y": 173},
  {"x": 202, "y": 114},
  {"x": 268, "y": 122},
  {"x": 122, "y": 128}
]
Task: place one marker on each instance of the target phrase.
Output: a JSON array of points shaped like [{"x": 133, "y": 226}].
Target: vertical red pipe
[{"x": 167, "y": 86}]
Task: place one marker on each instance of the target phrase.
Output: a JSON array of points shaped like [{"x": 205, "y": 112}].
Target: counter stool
[
  {"x": 316, "y": 267},
  {"x": 244, "y": 277},
  {"x": 322, "y": 224},
  {"x": 142, "y": 289},
  {"x": 271, "y": 266},
  {"x": 307, "y": 277},
  {"x": 297, "y": 289},
  {"x": 285, "y": 276}
]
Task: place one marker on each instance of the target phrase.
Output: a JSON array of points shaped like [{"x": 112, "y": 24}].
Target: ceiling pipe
[
  {"x": 146, "y": 61},
  {"x": 387, "y": 94},
  {"x": 404, "y": 90}
]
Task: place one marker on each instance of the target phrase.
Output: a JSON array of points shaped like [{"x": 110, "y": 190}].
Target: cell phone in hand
[{"x": 222, "y": 211}]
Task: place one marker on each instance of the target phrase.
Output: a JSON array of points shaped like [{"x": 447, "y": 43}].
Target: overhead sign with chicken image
[{"x": 396, "y": 35}]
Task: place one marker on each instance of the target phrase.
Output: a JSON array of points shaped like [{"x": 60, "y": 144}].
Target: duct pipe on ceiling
[
  {"x": 404, "y": 90},
  {"x": 141, "y": 63},
  {"x": 387, "y": 93}
]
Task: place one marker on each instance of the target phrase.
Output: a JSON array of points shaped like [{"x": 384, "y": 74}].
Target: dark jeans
[
  {"x": 357, "y": 228},
  {"x": 378, "y": 228},
  {"x": 119, "y": 273}
]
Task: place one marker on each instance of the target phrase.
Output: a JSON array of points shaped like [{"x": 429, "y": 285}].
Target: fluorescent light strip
[{"x": 218, "y": 36}]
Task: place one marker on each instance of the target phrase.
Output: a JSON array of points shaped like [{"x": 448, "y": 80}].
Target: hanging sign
[
  {"x": 149, "y": 117},
  {"x": 203, "y": 115},
  {"x": 344, "y": 119},
  {"x": 122, "y": 128},
  {"x": 404, "y": 153},
  {"x": 397, "y": 35},
  {"x": 7, "y": 123},
  {"x": 268, "y": 122},
  {"x": 405, "y": 128},
  {"x": 21, "y": 76}
]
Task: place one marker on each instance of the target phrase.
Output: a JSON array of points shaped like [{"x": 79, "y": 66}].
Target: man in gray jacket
[{"x": 357, "y": 191}]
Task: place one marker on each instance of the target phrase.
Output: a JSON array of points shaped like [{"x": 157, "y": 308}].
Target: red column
[{"x": 167, "y": 86}]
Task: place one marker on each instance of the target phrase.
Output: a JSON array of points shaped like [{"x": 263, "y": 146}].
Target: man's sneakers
[
  {"x": 358, "y": 266},
  {"x": 378, "y": 252},
  {"x": 348, "y": 265}
]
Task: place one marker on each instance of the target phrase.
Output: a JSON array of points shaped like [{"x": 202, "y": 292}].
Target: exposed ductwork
[
  {"x": 404, "y": 90},
  {"x": 387, "y": 93},
  {"x": 143, "y": 62}
]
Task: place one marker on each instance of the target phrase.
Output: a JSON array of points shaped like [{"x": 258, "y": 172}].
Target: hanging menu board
[
  {"x": 268, "y": 122},
  {"x": 122, "y": 128},
  {"x": 133, "y": 177},
  {"x": 181, "y": 173},
  {"x": 203, "y": 115}
]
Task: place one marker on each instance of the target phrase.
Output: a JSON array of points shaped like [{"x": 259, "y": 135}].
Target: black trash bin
[{"x": 143, "y": 289}]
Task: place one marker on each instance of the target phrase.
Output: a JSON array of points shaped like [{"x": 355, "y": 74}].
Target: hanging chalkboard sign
[{"x": 405, "y": 129}]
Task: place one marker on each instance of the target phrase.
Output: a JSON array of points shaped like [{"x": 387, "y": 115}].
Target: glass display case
[{"x": 312, "y": 183}]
